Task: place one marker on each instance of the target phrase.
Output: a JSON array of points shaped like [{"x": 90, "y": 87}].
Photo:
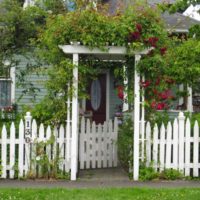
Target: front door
[{"x": 97, "y": 99}]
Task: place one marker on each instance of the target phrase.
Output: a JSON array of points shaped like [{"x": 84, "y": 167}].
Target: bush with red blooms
[
  {"x": 8, "y": 112},
  {"x": 120, "y": 92},
  {"x": 157, "y": 86}
]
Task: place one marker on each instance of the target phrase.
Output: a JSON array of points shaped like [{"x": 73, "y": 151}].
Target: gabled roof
[
  {"x": 178, "y": 22},
  {"x": 174, "y": 22}
]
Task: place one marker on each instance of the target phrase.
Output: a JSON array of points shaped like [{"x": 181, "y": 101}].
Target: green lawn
[{"x": 100, "y": 194}]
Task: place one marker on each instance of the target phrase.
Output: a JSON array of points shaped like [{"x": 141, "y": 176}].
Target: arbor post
[
  {"x": 74, "y": 143},
  {"x": 136, "y": 121}
]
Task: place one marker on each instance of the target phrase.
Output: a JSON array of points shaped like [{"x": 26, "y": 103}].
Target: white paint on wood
[
  {"x": 12, "y": 150},
  {"x": 61, "y": 147},
  {"x": 136, "y": 121},
  {"x": 100, "y": 142},
  {"x": 187, "y": 147},
  {"x": 181, "y": 119},
  {"x": 155, "y": 147},
  {"x": 162, "y": 147},
  {"x": 148, "y": 144},
  {"x": 196, "y": 150},
  {"x": 175, "y": 144},
  {"x": 13, "y": 84},
  {"x": 168, "y": 145},
  {"x": 109, "y": 50},
  {"x": 4, "y": 151},
  {"x": 21, "y": 149},
  {"x": 74, "y": 145}
]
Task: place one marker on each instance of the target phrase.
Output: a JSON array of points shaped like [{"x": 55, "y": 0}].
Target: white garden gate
[{"x": 98, "y": 144}]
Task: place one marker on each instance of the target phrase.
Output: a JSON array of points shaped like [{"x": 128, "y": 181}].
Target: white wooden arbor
[{"x": 111, "y": 53}]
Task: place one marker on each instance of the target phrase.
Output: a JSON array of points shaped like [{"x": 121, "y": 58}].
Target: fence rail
[
  {"x": 18, "y": 154},
  {"x": 175, "y": 146}
]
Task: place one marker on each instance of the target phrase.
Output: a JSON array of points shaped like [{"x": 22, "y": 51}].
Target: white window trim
[{"x": 13, "y": 82}]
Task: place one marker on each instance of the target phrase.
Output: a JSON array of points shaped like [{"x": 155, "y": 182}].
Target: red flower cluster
[
  {"x": 7, "y": 109},
  {"x": 145, "y": 84},
  {"x": 152, "y": 41},
  {"x": 158, "y": 106},
  {"x": 139, "y": 27},
  {"x": 134, "y": 36},
  {"x": 163, "y": 51},
  {"x": 120, "y": 92},
  {"x": 167, "y": 94}
]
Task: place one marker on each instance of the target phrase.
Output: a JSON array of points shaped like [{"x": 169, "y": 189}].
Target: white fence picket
[
  {"x": 148, "y": 144},
  {"x": 115, "y": 137},
  {"x": 110, "y": 143},
  {"x": 61, "y": 146},
  {"x": 82, "y": 144},
  {"x": 33, "y": 146},
  {"x": 196, "y": 150},
  {"x": 168, "y": 145},
  {"x": 21, "y": 149},
  {"x": 12, "y": 150},
  {"x": 155, "y": 146},
  {"x": 93, "y": 145},
  {"x": 98, "y": 145},
  {"x": 104, "y": 135},
  {"x": 187, "y": 147},
  {"x": 162, "y": 147},
  {"x": 181, "y": 132},
  {"x": 175, "y": 144},
  {"x": 4, "y": 151},
  {"x": 48, "y": 147}
]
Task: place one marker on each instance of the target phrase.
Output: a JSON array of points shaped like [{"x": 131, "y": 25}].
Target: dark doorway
[{"x": 97, "y": 99}]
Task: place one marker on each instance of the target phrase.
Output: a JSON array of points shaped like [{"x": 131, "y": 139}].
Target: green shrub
[
  {"x": 147, "y": 173},
  {"x": 125, "y": 144},
  {"x": 170, "y": 174}
]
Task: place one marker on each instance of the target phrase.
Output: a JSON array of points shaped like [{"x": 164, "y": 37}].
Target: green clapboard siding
[
  {"x": 114, "y": 100},
  {"x": 38, "y": 82}
]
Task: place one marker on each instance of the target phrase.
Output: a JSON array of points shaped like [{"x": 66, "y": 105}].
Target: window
[
  {"x": 5, "y": 92},
  {"x": 7, "y": 81}
]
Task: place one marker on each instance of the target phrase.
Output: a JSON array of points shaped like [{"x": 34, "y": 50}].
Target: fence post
[
  {"x": 181, "y": 131},
  {"x": 28, "y": 119}
]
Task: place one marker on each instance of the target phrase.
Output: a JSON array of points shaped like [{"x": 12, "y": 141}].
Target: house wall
[
  {"x": 114, "y": 100},
  {"x": 37, "y": 81}
]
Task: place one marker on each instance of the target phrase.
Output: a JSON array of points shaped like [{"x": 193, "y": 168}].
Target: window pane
[{"x": 5, "y": 93}]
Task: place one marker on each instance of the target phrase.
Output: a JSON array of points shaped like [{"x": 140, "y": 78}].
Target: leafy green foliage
[
  {"x": 170, "y": 174},
  {"x": 182, "y": 5},
  {"x": 184, "y": 64},
  {"x": 43, "y": 165},
  {"x": 125, "y": 144},
  {"x": 147, "y": 173}
]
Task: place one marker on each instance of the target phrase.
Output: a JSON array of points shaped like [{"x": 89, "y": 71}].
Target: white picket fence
[
  {"x": 97, "y": 144},
  {"x": 175, "y": 146},
  {"x": 19, "y": 150}
]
